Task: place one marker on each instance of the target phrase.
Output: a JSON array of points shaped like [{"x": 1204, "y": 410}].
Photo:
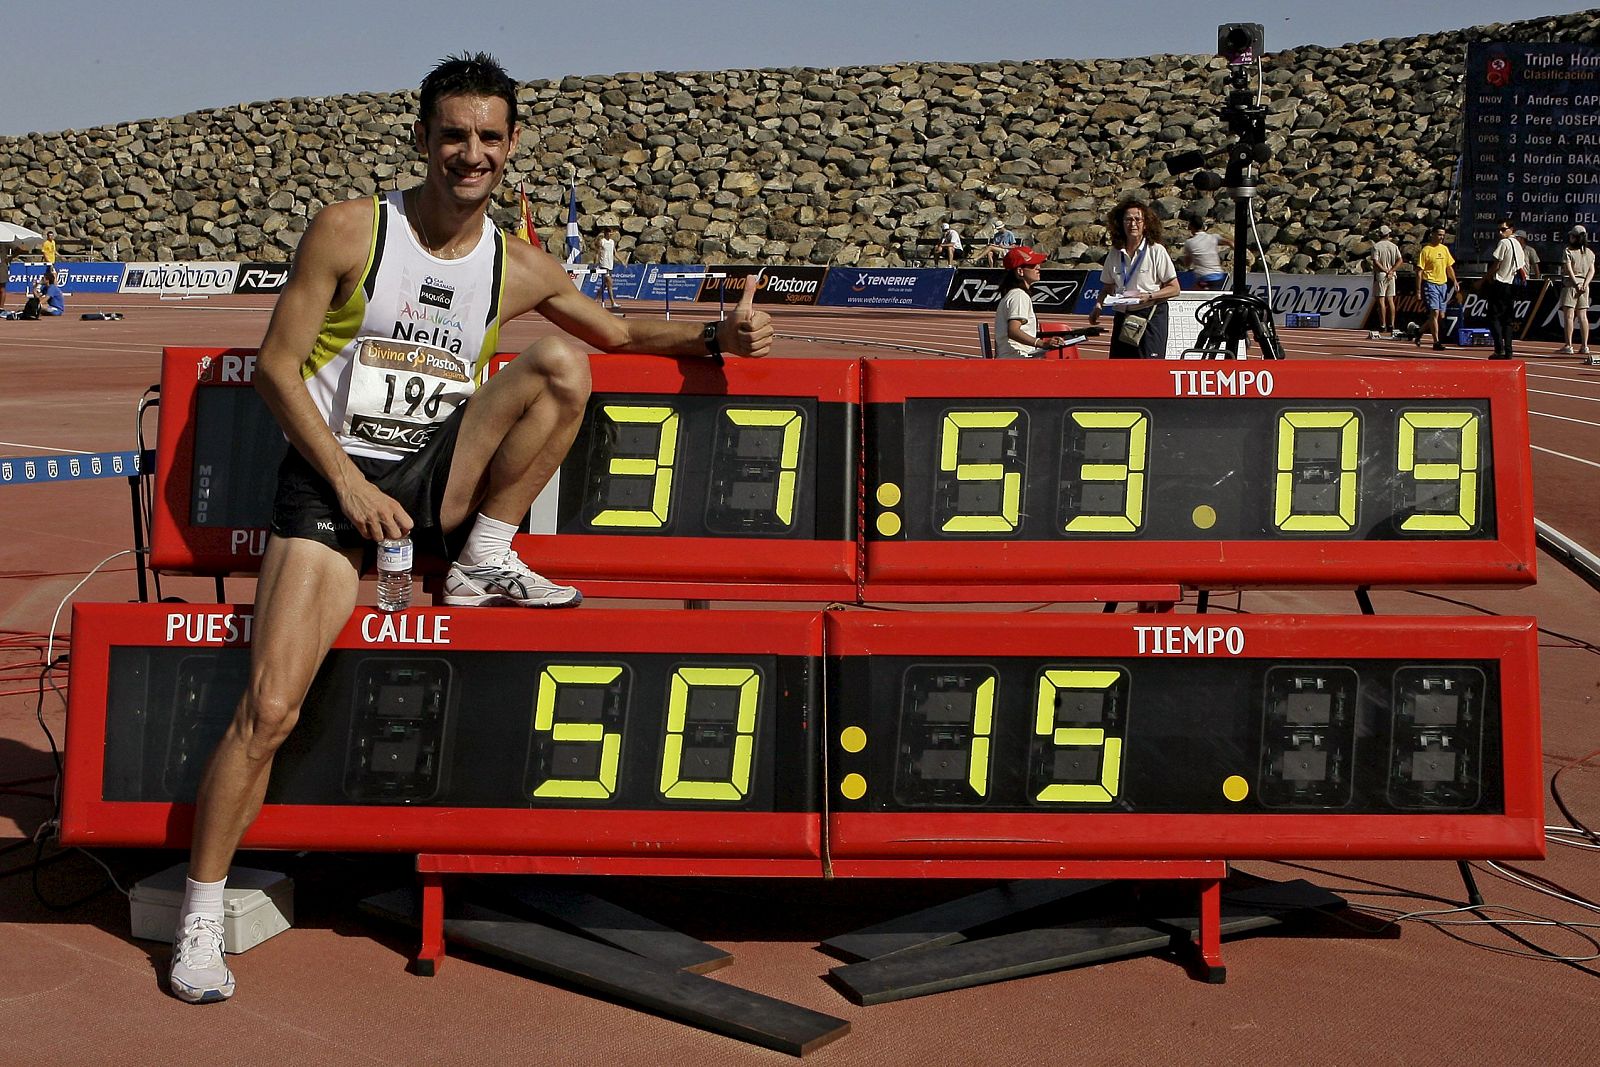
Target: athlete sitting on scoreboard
[{"x": 374, "y": 365}]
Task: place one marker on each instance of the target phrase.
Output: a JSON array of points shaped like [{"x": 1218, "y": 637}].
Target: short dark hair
[{"x": 470, "y": 74}]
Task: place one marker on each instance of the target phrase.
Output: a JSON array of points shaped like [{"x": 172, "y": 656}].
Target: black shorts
[{"x": 305, "y": 504}]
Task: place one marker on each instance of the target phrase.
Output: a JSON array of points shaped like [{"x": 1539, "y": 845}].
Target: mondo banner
[
  {"x": 189, "y": 279},
  {"x": 778, "y": 285}
]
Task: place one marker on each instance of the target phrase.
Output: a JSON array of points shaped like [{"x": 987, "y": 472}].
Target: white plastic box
[{"x": 255, "y": 906}]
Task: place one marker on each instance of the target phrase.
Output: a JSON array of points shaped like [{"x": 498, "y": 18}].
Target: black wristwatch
[{"x": 709, "y": 336}]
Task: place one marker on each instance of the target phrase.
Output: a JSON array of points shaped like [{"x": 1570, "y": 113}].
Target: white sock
[
  {"x": 489, "y": 538},
  {"x": 201, "y": 898}
]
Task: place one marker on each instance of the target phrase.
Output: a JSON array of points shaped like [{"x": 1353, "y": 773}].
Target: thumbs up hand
[{"x": 747, "y": 332}]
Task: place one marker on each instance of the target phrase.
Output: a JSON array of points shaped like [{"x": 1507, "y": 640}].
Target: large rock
[{"x": 803, "y": 165}]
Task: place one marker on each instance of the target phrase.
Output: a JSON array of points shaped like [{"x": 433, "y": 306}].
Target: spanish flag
[{"x": 525, "y": 228}]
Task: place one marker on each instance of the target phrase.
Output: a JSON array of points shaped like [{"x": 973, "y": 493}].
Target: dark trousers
[{"x": 1502, "y": 315}]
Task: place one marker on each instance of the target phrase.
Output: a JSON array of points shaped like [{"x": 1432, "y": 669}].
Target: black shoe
[{"x": 1438, "y": 346}]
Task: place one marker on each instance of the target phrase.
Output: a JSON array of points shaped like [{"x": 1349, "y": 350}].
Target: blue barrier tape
[{"x": 26, "y": 470}]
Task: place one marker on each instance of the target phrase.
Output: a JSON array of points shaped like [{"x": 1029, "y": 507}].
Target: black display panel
[
  {"x": 1175, "y": 470},
  {"x": 496, "y": 729},
  {"x": 237, "y": 450},
  {"x": 1164, "y": 736},
  {"x": 709, "y": 466}
]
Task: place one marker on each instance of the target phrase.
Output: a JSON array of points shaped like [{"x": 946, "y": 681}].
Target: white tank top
[{"x": 413, "y": 341}]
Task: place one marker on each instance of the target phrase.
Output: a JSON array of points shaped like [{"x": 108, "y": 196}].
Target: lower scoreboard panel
[{"x": 893, "y": 743}]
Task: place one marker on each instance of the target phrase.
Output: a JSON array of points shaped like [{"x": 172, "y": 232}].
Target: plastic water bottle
[{"x": 394, "y": 574}]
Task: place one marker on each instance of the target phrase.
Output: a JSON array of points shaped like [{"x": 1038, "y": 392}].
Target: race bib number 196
[{"x": 401, "y": 391}]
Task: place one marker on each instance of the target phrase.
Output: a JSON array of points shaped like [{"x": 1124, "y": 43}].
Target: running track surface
[{"x": 76, "y": 990}]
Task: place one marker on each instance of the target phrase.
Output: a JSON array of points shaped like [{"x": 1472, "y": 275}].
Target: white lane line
[
  {"x": 1564, "y": 418},
  {"x": 47, "y": 448},
  {"x": 1563, "y": 455},
  {"x": 1568, "y": 396}
]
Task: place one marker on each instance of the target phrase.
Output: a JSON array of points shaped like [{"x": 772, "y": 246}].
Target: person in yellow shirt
[
  {"x": 1436, "y": 282},
  {"x": 48, "y": 249}
]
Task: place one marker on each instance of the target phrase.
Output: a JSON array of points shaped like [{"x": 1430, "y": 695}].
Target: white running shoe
[
  {"x": 504, "y": 581},
  {"x": 199, "y": 974}
]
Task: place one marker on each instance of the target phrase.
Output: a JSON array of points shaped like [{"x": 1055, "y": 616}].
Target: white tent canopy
[{"x": 12, "y": 234}]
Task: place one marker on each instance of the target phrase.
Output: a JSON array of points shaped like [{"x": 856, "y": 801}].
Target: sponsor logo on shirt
[{"x": 436, "y": 293}]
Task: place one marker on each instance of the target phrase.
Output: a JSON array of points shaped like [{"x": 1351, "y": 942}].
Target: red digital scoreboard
[
  {"x": 668, "y": 741},
  {"x": 987, "y": 482},
  {"x": 937, "y": 480},
  {"x": 686, "y": 480},
  {"x": 853, "y": 743},
  {"x": 1004, "y": 746}
]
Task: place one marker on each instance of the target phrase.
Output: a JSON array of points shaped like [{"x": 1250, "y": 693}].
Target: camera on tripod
[
  {"x": 1227, "y": 320},
  {"x": 1239, "y": 42}
]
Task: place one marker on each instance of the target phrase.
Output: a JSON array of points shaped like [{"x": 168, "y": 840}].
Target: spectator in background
[
  {"x": 1436, "y": 283},
  {"x": 1506, "y": 269},
  {"x": 1386, "y": 261},
  {"x": 1000, "y": 243},
  {"x": 1016, "y": 327},
  {"x": 1136, "y": 283},
  {"x": 1577, "y": 275},
  {"x": 52, "y": 301},
  {"x": 949, "y": 244},
  {"x": 1530, "y": 255},
  {"x": 5, "y": 272},
  {"x": 1202, "y": 253},
  {"x": 48, "y": 249},
  {"x": 606, "y": 260}
]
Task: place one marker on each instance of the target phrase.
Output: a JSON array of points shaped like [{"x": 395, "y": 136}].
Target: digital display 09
[
  {"x": 1305, "y": 473},
  {"x": 1170, "y": 470}
]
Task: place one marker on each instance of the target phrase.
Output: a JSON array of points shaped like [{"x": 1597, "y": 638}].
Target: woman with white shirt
[
  {"x": 1138, "y": 280},
  {"x": 1016, "y": 327}
]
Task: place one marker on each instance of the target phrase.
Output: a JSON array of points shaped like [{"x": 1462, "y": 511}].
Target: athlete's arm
[
  {"x": 1016, "y": 333},
  {"x": 327, "y": 267},
  {"x": 537, "y": 282}
]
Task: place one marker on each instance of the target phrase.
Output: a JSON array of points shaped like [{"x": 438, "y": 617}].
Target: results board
[
  {"x": 759, "y": 742},
  {"x": 938, "y": 479}
]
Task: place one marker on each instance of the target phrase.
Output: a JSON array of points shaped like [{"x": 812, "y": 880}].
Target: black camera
[{"x": 1239, "y": 42}]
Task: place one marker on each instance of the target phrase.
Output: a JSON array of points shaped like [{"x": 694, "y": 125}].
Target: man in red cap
[{"x": 1016, "y": 328}]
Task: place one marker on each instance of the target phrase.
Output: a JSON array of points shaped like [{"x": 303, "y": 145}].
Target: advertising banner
[
  {"x": 886, "y": 287},
  {"x": 655, "y": 281},
  {"x": 261, "y": 278},
  {"x": 73, "y": 277},
  {"x": 779, "y": 285},
  {"x": 180, "y": 279},
  {"x": 1532, "y": 137},
  {"x": 1341, "y": 299},
  {"x": 978, "y": 289}
]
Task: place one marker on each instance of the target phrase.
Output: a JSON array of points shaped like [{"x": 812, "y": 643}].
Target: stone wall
[{"x": 847, "y": 166}]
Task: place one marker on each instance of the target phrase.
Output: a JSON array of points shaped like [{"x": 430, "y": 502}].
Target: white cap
[{"x": 1384, "y": 231}]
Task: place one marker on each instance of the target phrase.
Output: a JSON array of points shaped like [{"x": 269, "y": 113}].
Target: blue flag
[{"x": 574, "y": 244}]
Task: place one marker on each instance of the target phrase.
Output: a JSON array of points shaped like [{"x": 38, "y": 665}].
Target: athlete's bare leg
[
  {"x": 303, "y": 598},
  {"x": 515, "y": 433}
]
